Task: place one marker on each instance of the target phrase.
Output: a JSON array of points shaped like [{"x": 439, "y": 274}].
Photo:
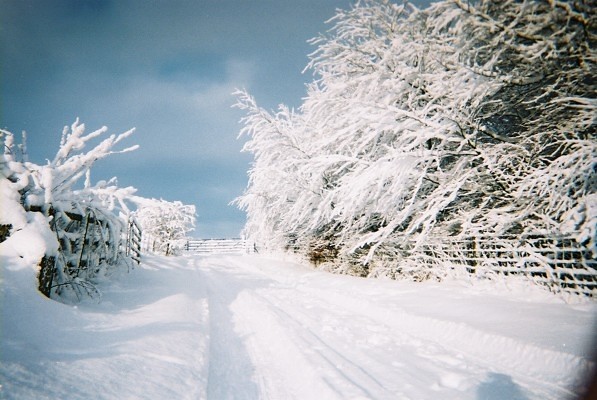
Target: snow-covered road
[{"x": 248, "y": 327}]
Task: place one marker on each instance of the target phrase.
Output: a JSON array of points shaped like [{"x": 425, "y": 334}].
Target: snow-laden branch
[
  {"x": 457, "y": 120},
  {"x": 58, "y": 179}
]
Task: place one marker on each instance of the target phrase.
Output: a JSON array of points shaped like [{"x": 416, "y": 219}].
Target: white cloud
[{"x": 218, "y": 95}]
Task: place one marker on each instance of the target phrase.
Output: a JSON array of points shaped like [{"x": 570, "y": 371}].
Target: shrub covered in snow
[
  {"x": 86, "y": 222},
  {"x": 465, "y": 119},
  {"x": 80, "y": 227},
  {"x": 165, "y": 225}
]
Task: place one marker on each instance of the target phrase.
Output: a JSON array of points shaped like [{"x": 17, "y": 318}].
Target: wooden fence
[
  {"x": 559, "y": 262},
  {"x": 219, "y": 246},
  {"x": 87, "y": 241},
  {"x": 133, "y": 241}
]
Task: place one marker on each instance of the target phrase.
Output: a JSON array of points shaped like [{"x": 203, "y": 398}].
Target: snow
[
  {"x": 248, "y": 327},
  {"x": 11, "y": 212},
  {"x": 28, "y": 241}
]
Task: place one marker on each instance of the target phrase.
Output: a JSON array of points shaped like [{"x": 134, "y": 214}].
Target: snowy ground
[{"x": 248, "y": 327}]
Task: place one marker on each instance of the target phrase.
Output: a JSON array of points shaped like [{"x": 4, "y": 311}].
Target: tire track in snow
[
  {"x": 283, "y": 370},
  {"x": 356, "y": 364},
  {"x": 555, "y": 370},
  {"x": 230, "y": 371},
  {"x": 353, "y": 373},
  {"x": 341, "y": 346},
  {"x": 348, "y": 368}
]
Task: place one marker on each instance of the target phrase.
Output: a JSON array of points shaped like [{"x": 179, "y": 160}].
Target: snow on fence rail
[
  {"x": 219, "y": 246},
  {"x": 558, "y": 262},
  {"x": 133, "y": 241},
  {"x": 87, "y": 243}
]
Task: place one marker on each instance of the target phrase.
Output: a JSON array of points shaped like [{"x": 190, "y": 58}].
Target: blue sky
[{"x": 167, "y": 68}]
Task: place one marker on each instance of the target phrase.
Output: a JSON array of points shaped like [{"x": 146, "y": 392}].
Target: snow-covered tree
[
  {"x": 165, "y": 224},
  {"x": 276, "y": 181},
  {"x": 460, "y": 120},
  {"x": 87, "y": 221}
]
